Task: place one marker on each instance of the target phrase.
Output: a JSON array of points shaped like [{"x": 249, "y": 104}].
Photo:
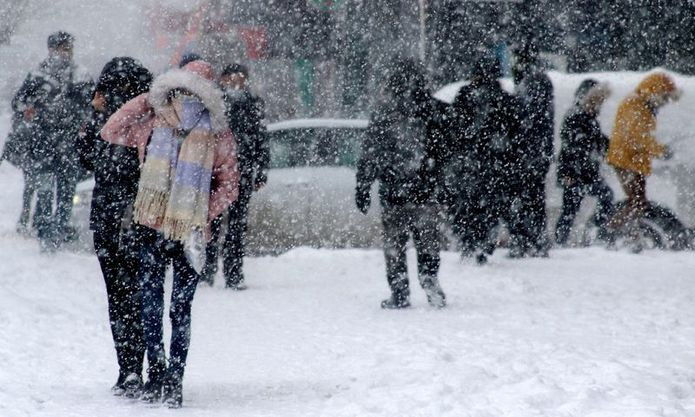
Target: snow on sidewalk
[{"x": 584, "y": 333}]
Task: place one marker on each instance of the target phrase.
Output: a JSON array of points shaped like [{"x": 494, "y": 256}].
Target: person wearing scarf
[{"x": 188, "y": 177}]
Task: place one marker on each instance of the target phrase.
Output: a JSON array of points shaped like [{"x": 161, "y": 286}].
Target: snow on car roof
[{"x": 318, "y": 123}]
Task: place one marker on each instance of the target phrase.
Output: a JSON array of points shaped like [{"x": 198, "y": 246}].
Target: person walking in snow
[
  {"x": 245, "y": 113},
  {"x": 28, "y": 148},
  {"x": 485, "y": 127},
  {"x": 116, "y": 173},
  {"x": 633, "y": 146},
  {"x": 535, "y": 91},
  {"x": 54, "y": 101},
  {"x": 188, "y": 176},
  {"x": 397, "y": 153},
  {"x": 582, "y": 150}
]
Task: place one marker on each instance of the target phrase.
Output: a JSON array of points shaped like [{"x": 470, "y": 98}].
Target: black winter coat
[
  {"x": 116, "y": 168},
  {"x": 535, "y": 92},
  {"x": 116, "y": 174},
  {"x": 583, "y": 147},
  {"x": 403, "y": 152},
  {"x": 245, "y": 113},
  {"x": 485, "y": 133},
  {"x": 61, "y": 96}
]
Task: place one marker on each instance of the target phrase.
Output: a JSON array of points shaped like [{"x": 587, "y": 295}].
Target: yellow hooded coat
[{"x": 632, "y": 144}]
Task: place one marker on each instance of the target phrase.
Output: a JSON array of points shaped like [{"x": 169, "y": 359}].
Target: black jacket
[
  {"x": 60, "y": 94},
  {"x": 403, "y": 151},
  {"x": 116, "y": 174},
  {"x": 245, "y": 113},
  {"x": 116, "y": 168},
  {"x": 34, "y": 138},
  {"x": 583, "y": 147},
  {"x": 485, "y": 133},
  {"x": 535, "y": 92}
]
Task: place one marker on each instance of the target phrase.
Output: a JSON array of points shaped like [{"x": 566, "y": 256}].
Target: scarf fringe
[
  {"x": 150, "y": 206},
  {"x": 178, "y": 229}
]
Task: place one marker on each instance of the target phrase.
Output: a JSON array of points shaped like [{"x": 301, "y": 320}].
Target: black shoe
[
  {"x": 239, "y": 285},
  {"x": 151, "y": 392},
  {"x": 435, "y": 296},
  {"x": 539, "y": 253},
  {"x": 208, "y": 277},
  {"x": 395, "y": 302},
  {"x": 118, "y": 389},
  {"x": 69, "y": 234},
  {"x": 172, "y": 393},
  {"x": 133, "y": 386},
  {"x": 481, "y": 259},
  {"x": 23, "y": 229}
]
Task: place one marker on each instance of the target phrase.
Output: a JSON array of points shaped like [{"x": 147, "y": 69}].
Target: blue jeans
[{"x": 155, "y": 254}]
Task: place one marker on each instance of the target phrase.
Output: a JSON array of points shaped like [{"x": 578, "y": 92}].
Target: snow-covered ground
[{"x": 586, "y": 333}]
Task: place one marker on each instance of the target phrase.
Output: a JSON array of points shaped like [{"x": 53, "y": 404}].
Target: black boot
[
  {"x": 235, "y": 281},
  {"x": 207, "y": 276},
  {"x": 118, "y": 389},
  {"x": 172, "y": 393},
  {"x": 396, "y": 301},
  {"x": 133, "y": 386},
  {"x": 152, "y": 390},
  {"x": 435, "y": 295}
]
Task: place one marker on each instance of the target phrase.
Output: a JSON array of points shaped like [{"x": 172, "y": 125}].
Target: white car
[{"x": 309, "y": 198}]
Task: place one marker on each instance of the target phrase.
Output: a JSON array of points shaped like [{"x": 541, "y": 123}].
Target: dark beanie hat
[
  {"x": 584, "y": 87},
  {"x": 189, "y": 57},
  {"x": 58, "y": 39},
  {"x": 123, "y": 78},
  {"x": 235, "y": 69}
]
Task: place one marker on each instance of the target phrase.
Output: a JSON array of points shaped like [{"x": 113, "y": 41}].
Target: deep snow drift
[{"x": 584, "y": 333}]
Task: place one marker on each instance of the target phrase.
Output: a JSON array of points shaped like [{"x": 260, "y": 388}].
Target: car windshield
[{"x": 315, "y": 147}]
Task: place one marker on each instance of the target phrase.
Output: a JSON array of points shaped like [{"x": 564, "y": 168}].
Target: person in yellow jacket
[{"x": 633, "y": 146}]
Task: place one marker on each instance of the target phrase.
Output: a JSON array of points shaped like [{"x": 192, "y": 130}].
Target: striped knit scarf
[{"x": 174, "y": 189}]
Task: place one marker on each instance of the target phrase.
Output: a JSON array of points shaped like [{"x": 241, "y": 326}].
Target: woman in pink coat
[{"x": 188, "y": 177}]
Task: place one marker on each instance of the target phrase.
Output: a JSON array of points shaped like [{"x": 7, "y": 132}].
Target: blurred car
[{"x": 309, "y": 197}]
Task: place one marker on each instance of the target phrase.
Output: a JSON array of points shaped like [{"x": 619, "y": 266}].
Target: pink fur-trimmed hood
[{"x": 190, "y": 79}]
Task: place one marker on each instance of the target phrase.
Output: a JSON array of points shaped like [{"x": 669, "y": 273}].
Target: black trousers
[
  {"x": 571, "y": 202},
  {"x": 234, "y": 241},
  {"x": 480, "y": 210},
  {"x": 118, "y": 259},
  {"x": 399, "y": 222},
  {"x": 66, "y": 184},
  {"x": 531, "y": 216}
]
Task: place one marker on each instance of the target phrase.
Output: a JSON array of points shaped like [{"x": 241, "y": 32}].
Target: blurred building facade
[
  {"x": 328, "y": 57},
  {"x": 319, "y": 57}
]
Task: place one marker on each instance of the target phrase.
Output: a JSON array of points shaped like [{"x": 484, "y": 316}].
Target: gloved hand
[
  {"x": 260, "y": 181},
  {"x": 668, "y": 153},
  {"x": 363, "y": 199}
]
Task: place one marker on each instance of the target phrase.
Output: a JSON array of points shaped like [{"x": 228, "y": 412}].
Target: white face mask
[{"x": 233, "y": 93}]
